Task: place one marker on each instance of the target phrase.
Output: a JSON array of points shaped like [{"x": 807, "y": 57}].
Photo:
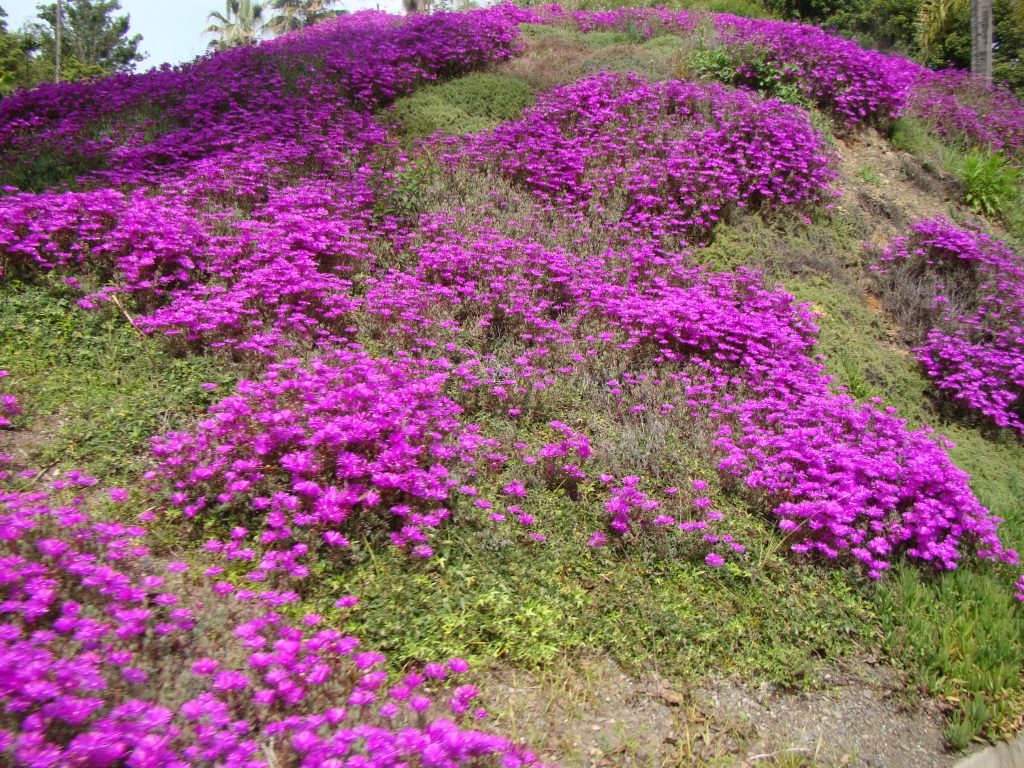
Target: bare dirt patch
[
  {"x": 891, "y": 187},
  {"x": 592, "y": 714},
  {"x": 858, "y": 719}
]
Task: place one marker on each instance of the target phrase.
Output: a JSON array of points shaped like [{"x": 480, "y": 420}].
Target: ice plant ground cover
[
  {"x": 508, "y": 346},
  {"x": 973, "y": 352}
]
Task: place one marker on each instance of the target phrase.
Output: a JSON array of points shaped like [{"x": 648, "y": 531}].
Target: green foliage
[
  {"x": 18, "y": 68},
  {"x": 991, "y": 183},
  {"x": 909, "y": 134},
  {"x": 489, "y": 596},
  {"x": 890, "y": 25},
  {"x": 1008, "y": 57},
  {"x": 944, "y": 32},
  {"x": 749, "y": 66},
  {"x": 408, "y": 195},
  {"x": 94, "y": 390},
  {"x": 861, "y": 353},
  {"x": 241, "y": 23},
  {"x": 37, "y": 172},
  {"x": 750, "y": 9},
  {"x": 869, "y": 175},
  {"x": 296, "y": 14},
  {"x": 467, "y": 104},
  {"x": 826, "y": 246}
]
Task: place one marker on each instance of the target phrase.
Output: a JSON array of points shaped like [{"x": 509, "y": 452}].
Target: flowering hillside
[{"x": 478, "y": 394}]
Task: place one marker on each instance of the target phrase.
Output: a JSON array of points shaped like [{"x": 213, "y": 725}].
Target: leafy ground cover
[{"x": 532, "y": 386}]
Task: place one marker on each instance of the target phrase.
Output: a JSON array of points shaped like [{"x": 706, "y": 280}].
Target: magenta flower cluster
[
  {"x": 853, "y": 480},
  {"x": 974, "y": 353},
  {"x": 963, "y": 110},
  {"x": 855, "y": 85},
  {"x": 88, "y": 629},
  {"x": 661, "y": 159},
  {"x": 314, "y": 451},
  {"x": 8, "y": 404}
]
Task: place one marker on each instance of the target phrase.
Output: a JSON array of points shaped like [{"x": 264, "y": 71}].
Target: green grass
[
  {"x": 861, "y": 353},
  {"x": 869, "y": 175},
  {"x": 960, "y": 636},
  {"x": 91, "y": 387},
  {"x": 909, "y": 134}
]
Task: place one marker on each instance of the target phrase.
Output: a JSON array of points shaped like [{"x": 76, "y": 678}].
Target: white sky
[{"x": 171, "y": 29}]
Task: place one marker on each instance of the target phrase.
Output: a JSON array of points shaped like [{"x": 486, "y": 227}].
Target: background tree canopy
[{"x": 94, "y": 39}]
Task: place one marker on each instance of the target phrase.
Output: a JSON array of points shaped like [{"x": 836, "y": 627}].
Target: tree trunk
[
  {"x": 58, "y": 30},
  {"x": 416, "y": 6},
  {"x": 981, "y": 39}
]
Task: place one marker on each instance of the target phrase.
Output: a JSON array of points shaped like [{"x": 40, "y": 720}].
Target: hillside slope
[{"x": 607, "y": 352}]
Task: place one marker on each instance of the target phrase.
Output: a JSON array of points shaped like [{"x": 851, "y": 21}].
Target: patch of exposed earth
[
  {"x": 596, "y": 716},
  {"x": 857, "y": 718},
  {"x": 894, "y": 188}
]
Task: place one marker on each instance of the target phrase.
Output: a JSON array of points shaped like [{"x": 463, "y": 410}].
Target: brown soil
[
  {"x": 591, "y": 714},
  {"x": 25, "y": 444},
  {"x": 893, "y": 188}
]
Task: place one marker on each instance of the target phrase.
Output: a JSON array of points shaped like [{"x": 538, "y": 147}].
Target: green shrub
[
  {"x": 423, "y": 114},
  {"x": 45, "y": 168},
  {"x": 472, "y": 103},
  {"x": 908, "y": 134},
  {"x": 991, "y": 183},
  {"x": 750, "y": 9},
  {"x": 749, "y": 66},
  {"x": 407, "y": 197}
]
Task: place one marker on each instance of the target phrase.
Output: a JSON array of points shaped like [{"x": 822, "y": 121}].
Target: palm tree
[
  {"x": 240, "y": 24},
  {"x": 933, "y": 20},
  {"x": 981, "y": 39},
  {"x": 296, "y": 14}
]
